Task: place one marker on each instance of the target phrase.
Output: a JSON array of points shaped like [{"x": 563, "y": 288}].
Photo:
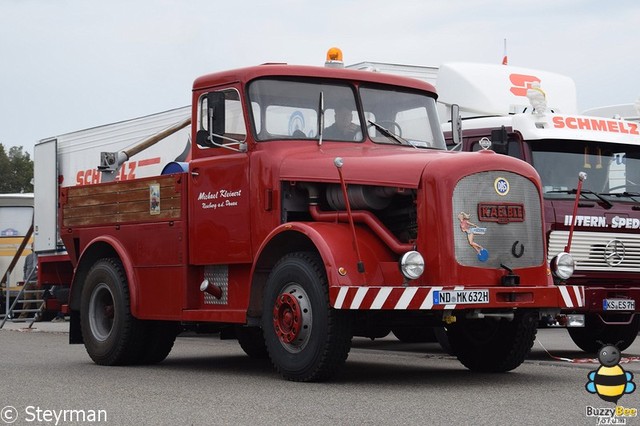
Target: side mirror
[
  {"x": 499, "y": 140},
  {"x": 456, "y": 124},
  {"x": 216, "y": 112},
  {"x": 215, "y": 121}
]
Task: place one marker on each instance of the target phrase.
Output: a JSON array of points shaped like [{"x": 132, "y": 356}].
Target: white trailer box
[{"x": 73, "y": 158}]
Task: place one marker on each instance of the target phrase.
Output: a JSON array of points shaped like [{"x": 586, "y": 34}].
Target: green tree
[
  {"x": 5, "y": 171},
  {"x": 16, "y": 170}
]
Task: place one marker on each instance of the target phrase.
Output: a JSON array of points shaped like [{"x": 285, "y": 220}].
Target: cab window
[{"x": 234, "y": 126}]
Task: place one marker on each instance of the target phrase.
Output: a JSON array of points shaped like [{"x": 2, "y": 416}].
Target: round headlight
[
  {"x": 412, "y": 265},
  {"x": 563, "y": 265}
]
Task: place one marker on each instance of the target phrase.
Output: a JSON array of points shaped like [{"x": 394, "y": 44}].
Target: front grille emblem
[
  {"x": 501, "y": 186},
  {"x": 614, "y": 252}
]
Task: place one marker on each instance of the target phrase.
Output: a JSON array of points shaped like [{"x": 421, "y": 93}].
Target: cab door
[{"x": 219, "y": 190}]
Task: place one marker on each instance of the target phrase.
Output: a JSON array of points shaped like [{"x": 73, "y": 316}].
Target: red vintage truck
[{"x": 315, "y": 204}]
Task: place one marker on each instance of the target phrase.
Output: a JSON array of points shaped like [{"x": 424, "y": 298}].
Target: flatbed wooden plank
[{"x": 123, "y": 202}]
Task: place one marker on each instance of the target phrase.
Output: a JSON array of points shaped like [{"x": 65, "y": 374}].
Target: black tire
[
  {"x": 493, "y": 345},
  {"x": 595, "y": 334},
  {"x": 443, "y": 339},
  {"x": 414, "y": 334},
  {"x": 306, "y": 339},
  {"x": 159, "y": 338},
  {"x": 251, "y": 341},
  {"x": 112, "y": 336}
]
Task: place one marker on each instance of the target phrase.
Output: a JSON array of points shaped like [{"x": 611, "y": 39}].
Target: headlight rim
[
  {"x": 559, "y": 262},
  {"x": 409, "y": 261}
]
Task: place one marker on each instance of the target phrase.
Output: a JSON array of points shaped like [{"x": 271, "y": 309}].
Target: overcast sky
[{"x": 67, "y": 65}]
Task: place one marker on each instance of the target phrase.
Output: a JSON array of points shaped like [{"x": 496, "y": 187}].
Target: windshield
[
  {"x": 394, "y": 116},
  {"x": 610, "y": 168},
  {"x": 286, "y": 109}
]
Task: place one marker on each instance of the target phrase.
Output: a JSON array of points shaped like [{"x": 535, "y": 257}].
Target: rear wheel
[
  {"x": 112, "y": 335},
  {"x": 596, "y": 333},
  {"x": 493, "y": 345},
  {"x": 306, "y": 339}
]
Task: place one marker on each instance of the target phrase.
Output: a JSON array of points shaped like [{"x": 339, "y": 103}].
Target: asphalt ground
[{"x": 206, "y": 381}]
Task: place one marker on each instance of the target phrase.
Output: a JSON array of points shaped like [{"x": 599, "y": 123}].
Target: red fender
[
  {"x": 126, "y": 263},
  {"x": 335, "y": 245}
]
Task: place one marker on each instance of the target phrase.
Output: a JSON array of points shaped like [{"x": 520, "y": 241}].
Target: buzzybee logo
[{"x": 610, "y": 381}]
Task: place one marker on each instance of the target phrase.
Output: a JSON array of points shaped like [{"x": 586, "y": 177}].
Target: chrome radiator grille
[
  {"x": 516, "y": 244},
  {"x": 599, "y": 251}
]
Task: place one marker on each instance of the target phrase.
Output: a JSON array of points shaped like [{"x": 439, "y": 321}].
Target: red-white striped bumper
[
  {"x": 425, "y": 298},
  {"x": 572, "y": 296}
]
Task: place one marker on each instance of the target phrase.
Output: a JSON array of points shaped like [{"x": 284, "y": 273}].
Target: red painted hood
[
  {"x": 372, "y": 165},
  {"x": 387, "y": 165}
]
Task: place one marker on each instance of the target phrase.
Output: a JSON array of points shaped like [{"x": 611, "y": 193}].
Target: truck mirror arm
[
  {"x": 216, "y": 117},
  {"x": 242, "y": 146}
]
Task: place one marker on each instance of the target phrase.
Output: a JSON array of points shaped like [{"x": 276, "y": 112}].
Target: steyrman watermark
[{"x": 36, "y": 414}]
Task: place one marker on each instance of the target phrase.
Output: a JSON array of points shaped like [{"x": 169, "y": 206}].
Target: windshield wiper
[
  {"x": 599, "y": 197},
  {"x": 625, "y": 194},
  {"x": 389, "y": 134},
  {"x": 606, "y": 202}
]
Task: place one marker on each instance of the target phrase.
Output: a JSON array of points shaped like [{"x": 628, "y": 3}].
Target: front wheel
[
  {"x": 596, "y": 334},
  {"x": 306, "y": 339},
  {"x": 493, "y": 345},
  {"x": 112, "y": 335},
  {"x": 251, "y": 341}
]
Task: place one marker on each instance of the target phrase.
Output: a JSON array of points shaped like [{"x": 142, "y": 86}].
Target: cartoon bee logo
[{"x": 610, "y": 381}]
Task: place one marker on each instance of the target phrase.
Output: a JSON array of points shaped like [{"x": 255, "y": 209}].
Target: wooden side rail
[{"x": 141, "y": 200}]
